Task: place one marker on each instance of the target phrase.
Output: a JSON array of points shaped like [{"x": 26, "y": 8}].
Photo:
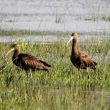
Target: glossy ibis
[
  {"x": 80, "y": 59},
  {"x": 26, "y": 61}
]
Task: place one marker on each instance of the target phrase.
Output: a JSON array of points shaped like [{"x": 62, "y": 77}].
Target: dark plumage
[
  {"x": 26, "y": 61},
  {"x": 79, "y": 59}
]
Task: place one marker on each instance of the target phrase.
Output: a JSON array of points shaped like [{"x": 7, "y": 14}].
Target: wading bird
[
  {"x": 79, "y": 59},
  {"x": 26, "y": 61}
]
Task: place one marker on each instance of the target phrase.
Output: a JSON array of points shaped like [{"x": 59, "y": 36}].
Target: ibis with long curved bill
[{"x": 78, "y": 58}]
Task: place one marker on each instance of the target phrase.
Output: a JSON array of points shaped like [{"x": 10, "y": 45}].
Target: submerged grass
[{"x": 58, "y": 89}]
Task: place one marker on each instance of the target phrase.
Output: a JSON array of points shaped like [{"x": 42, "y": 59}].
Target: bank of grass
[
  {"x": 27, "y": 32},
  {"x": 17, "y": 91}
]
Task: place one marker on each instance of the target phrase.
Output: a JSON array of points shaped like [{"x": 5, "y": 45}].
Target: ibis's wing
[
  {"x": 32, "y": 62},
  {"x": 45, "y": 63},
  {"x": 85, "y": 58}
]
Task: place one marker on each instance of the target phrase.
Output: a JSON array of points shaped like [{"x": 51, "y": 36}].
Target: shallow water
[
  {"x": 64, "y": 98},
  {"x": 71, "y": 98},
  {"x": 83, "y": 16},
  {"x": 48, "y": 38}
]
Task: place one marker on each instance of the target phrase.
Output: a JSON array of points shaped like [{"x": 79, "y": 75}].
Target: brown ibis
[
  {"x": 78, "y": 58},
  {"x": 27, "y": 61}
]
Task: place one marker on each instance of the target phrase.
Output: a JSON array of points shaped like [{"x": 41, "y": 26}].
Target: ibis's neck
[
  {"x": 74, "y": 47},
  {"x": 16, "y": 53}
]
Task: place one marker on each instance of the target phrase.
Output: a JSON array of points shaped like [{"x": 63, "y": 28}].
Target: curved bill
[
  {"x": 69, "y": 40},
  {"x": 9, "y": 51}
]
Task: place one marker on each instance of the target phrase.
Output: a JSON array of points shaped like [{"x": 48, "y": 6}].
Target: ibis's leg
[
  {"x": 88, "y": 73},
  {"x": 88, "y": 85},
  {"x": 30, "y": 73},
  {"x": 27, "y": 74}
]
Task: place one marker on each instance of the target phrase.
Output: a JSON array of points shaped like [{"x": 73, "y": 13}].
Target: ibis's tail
[{"x": 45, "y": 63}]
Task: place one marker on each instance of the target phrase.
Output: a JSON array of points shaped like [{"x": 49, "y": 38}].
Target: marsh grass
[{"x": 61, "y": 87}]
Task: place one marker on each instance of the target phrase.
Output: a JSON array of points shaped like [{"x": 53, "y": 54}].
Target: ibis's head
[
  {"x": 13, "y": 47},
  {"x": 73, "y": 36}
]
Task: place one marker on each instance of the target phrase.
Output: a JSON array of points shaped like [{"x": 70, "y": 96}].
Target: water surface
[{"x": 83, "y": 16}]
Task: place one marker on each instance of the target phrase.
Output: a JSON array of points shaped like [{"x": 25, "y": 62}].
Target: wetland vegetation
[{"x": 63, "y": 87}]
